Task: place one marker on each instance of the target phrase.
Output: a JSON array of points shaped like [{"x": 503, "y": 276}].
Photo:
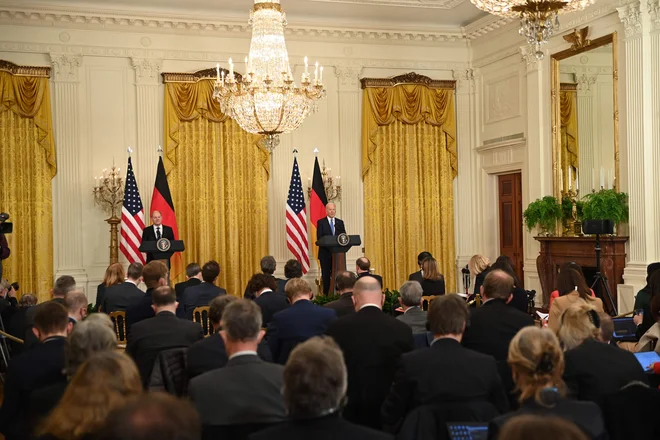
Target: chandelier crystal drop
[
  {"x": 266, "y": 99},
  {"x": 539, "y": 20}
]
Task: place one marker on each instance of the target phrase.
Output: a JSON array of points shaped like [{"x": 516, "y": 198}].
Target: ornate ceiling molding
[
  {"x": 15, "y": 69},
  {"x": 408, "y": 78},
  {"x": 427, "y": 4}
]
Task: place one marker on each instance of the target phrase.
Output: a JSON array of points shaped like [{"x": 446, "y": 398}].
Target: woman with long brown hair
[
  {"x": 572, "y": 290},
  {"x": 433, "y": 283},
  {"x": 114, "y": 274}
]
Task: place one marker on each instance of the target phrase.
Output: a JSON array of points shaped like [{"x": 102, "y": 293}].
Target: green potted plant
[
  {"x": 567, "y": 209},
  {"x": 606, "y": 204},
  {"x": 543, "y": 213}
]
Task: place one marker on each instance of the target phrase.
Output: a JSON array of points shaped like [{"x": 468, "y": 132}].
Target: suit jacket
[
  {"x": 100, "y": 295},
  {"x": 43, "y": 400},
  {"x": 595, "y": 370},
  {"x": 479, "y": 280},
  {"x": 254, "y": 387},
  {"x": 560, "y": 305},
  {"x": 342, "y": 306},
  {"x": 36, "y": 368},
  {"x": 139, "y": 310},
  {"x": 198, "y": 296},
  {"x": 323, "y": 229},
  {"x": 271, "y": 303},
  {"x": 120, "y": 296},
  {"x": 414, "y": 317},
  {"x": 416, "y": 276},
  {"x": 280, "y": 288},
  {"x": 445, "y": 373},
  {"x": 296, "y": 324},
  {"x": 373, "y": 343},
  {"x": 162, "y": 332},
  {"x": 30, "y": 340},
  {"x": 433, "y": 287},
  {"x": 210, "y": 354},
  {"x": 322, "y": 428},
  {"x": 367, "y": 274},
  {"x": 179, "y": 288},
  {"x": 281, "y": 284},
  {"x": 148, "y": 234}
]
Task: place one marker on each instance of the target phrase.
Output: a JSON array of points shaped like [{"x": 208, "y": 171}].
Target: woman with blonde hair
[
  {"x": 433, "y": 283},
  {"x": 479, "y": 267},
  {"x": 114, "y": 274},
  {"x": 537, "y": 365},
  {"x": 573, "y": 289}
]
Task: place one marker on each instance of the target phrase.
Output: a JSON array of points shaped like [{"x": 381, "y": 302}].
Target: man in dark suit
[
  {"x": 156, "y": 231},
  {"x": 254, "y": 385},
  {"x": 267, "y": 299},
  {"x": 268, "y": 267},
  {"x": 411, "y": 300},
  {"x": 373, "y": 343},
  {"x": 419, "y": 275},
  {"x": 36, "y": 368},
  {"x": 76, "y": 305},
  {"x": 154, "y": 275},
  {"x": 162, "y": 332},
  {"x": 297, "y": 323},
  {"x": 447, "y": 372},
  {"x": 363, "y": 269},
  {"x": 344, "y": 283},
  {"x": 494, "y": 324},
  {"x": 328, "y": 226},
  {"x": 63, "y": 285},
  {"x": 193, "y": 278},
  {"x": 292, "y": 269},
  {"x": 119, "y": 296},
  {"x": 202, "y": 294}
]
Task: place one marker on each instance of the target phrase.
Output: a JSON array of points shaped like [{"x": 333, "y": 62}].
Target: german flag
[
  {"x": 161, "y": 201},
  {"x": 317, "y": 202}
]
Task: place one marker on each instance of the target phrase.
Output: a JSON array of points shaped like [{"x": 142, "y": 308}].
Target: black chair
[
  {"x": 431, "y": 421},
  {"x": 232, "y": 432},
  {"x": 632, "y": 412},
  {"x": 169, "y": 373}
]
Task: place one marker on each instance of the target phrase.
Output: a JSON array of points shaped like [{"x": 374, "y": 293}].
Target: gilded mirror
[{"x": 585, "y": 126}]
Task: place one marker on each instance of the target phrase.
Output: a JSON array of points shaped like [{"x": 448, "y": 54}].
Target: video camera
[{"x": 5, "y": 228}]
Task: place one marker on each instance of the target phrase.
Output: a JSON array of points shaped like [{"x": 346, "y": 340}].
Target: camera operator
[
  {"x": 8, "y": 302},
  {"x": 4, "y": 246}
]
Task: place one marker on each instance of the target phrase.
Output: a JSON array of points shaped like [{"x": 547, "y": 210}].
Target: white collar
[
  {"x": 243, "y": 353},
  {"x": 371, "y": 305},
  {"x": 158, "y": 226},
  {"x": 330, "y": 219}
]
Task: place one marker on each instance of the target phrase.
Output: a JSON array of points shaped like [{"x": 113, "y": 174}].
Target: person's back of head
[
  {"x": 504, "y": 259},
  {"x": 217, "y": 307},
  {"x": 606, "y": 327},
  {"x": 63, "y": 285},
  {"x": 345, "y": 281},
  {"x": 431, "y": 270},
  {"x": 114, "y": 274},
  {"x": 569, "y": 280},
  {"x": 650, "y": 270},
  {"x": 261, "y": 281},
  {"x": 363, "y": 264},
  {"x": 268, "y": 265},
  {"x": 497, "y": 285},
  {"x": 654, "y": 283},
  {"x": 297, "y": 289},
  {"x": 50, "y": 319},
  {"x": 411, "y": 294},
  {"x": 448, "y": 316},
  {"x": 525, "y": 427},
  {"x": 74, "y": 301},
  {"x": 28, "y": 300},
  {"x": 241, "y": 322},
  {"x": 315, "y": 379},
  {"x": 154, "y": 274},
  {"x": 578, "y": 323},
  {"x": 134, "y": 272},
  {"x": 506, "y": 268},
  {"x": 423, "y": 256},
  {"x": 367, "y": 290},
  {"x": 478, "y": 263},
  {"x": 293, "y": 269},
  {"x": 193, "y": 269},
  {"x": 210, "y": 271},
  {"x": 163, "y": 298},
  {"x": 87, "y": 338}
]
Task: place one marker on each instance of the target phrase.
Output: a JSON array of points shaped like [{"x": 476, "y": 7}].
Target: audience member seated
[
  {"x": 102, "y": 383},
  {"x": 363, "y": 269},
  {"x": 446, "y": 374},
  {"x": 63, "y": 285},
  {"x": 269, "y": 301},
  {"x": 36, "y": 368},
  {"x": 209, "y": 353},
  {"x": 154, "y": 274},
  {"x": 419, "y": 275},
  {"x": 606, "y": 328},
  {"x": 649, "y": 340},
  {"x": 494, "y": 324},
  {"x": 519, "y": 298},
  {"x": 202, "y": 294},
  {"x": 193, "y": 278},
  {"x": 298, "y": 323},
  {"x": 433, "y": 282},
  {"x": 18, "y": 323},
  {"x": 643, "y": 300},
  {"x": 572, "y": 290},
  {"x": 247, "y": 390},
  {"x": 120, "y": 296},
  {"x": 411, "y": 301},
  {"x": 292, "y": 269},
  {"x": 76, "y": 305},
  {"x": 537, "y": 363},
  {"x": 268, "y": 267},
  {"x": 344, "y": 283},
  {"x": 570, "y": 265},
  {"x": 314, "y": 391},
  {"x": 373, "y": 343},
  {"x": 8, "y": 301},
  {"x": 162, "y": 332},
  {"x": 479, "y": 267},
  {"x": 114, "y": 275},
  {"x": 593, "y": 369},
  {"x": 527, "y": 427}
]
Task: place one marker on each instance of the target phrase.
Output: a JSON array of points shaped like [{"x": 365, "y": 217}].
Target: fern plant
[
  {"x": 606, "y": 204},
  {"x": 567, "y": 209},
  {"x": 543, "y": 213}
]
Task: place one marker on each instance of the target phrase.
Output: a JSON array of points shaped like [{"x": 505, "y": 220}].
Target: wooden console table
[{"x": 556, "y": 251}]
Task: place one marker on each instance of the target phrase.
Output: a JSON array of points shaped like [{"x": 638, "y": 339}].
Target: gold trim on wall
[
  {"x": 179, "y": 77},
  {"x": 15, "y": 69},
  {"x": 408, "y": 78}
]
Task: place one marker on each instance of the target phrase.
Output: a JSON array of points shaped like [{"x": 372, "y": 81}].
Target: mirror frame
[{"x": 579, "y": 47}]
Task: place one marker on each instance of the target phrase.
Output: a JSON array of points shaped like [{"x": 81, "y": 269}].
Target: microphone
[{"x": 465, "y": 270}]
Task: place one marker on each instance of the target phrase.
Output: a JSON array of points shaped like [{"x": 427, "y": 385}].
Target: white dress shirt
[
  {"x": 156, "y": 230},
  {"x": 331, "y": 222}
]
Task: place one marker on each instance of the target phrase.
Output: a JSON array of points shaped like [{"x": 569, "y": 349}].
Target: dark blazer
[
  {"x": 30, "y": 340},
  {"x": 416, "y": 276},
  {"x": 330, "y": 427},
  {"x": 179, "y": 288},
  {"x": 595, "y": 370},
  {"x": 373, "y": 343},
  {"x": 281, "y": 284},
  {"x": 17, "y": 327},
  {"x": 139, "y": 310},
  {"x": 444, "y": 373},
  {"x": 198, "y": 296},
  {"x": 162, "y": 332},
  {"x": 148, "y": 234},
  {"x": 271, "y": 303},
  {"x": 414, "y": 317},
  {"x": 296, "y": 324},
  {"x": 367, "y": 274},
  {"x": 519, "y": 299},
  {"x": 479, "y": 280},
  {"x": 120, "y": 296},
  {"x": 280, "y": 288},
  {"x": 255, "y": 389},
  {"x": 586, "y": 415},
  {"x": 43, "y": 400},
  {"x": 433, "y": 287},
  {"x": 100, "y": 295},
  {"x": 210, "y": 354},
  {"x": 323, "y": 229},
  {"x": 342, "y": 306},
  {"x": 36, "y": 368}
]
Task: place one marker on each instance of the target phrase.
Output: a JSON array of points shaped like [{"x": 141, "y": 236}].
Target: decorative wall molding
[
  {"x": 654, "y": 12},
  {"x": 465, "y": 81},
  {"x": 502, "y": 98},
  {"x": 485, "y": 25},
  {"x": 147, "y": 70},
  {"x": 15, "y": 69},
  {"x": 503, "y": 156},
  {"x": 65, "y": 67},
  {"x": 631, "y": 18},
  {"x": 426, "y": 4},
  {"x": 407, "y": 78},
  {"x": 349, "y": 77}
]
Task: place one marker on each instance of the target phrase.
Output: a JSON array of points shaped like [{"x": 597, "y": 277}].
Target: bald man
[
  {"x": 156, "y": 231},
  {"x": 328, "y": 225}
]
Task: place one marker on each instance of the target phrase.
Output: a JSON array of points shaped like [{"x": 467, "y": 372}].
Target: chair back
[
  {"x": 632, "y": 412},
  {"x": 119, "y": 321},
  {"x": 233, "y": 432},
  {"x": 431, "y": 421},
  {"x": 170, "y": 372},
  {"x": 201, "y": 316},
  {"x": 426, "y": 301}
]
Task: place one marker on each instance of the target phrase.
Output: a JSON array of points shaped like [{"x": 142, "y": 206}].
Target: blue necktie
[{"x": 332, "y": 226}]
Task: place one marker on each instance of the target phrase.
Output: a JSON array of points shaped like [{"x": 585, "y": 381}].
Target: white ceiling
[{"x": 426, "y": 14}]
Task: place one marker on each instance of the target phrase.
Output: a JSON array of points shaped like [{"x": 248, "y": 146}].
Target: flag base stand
[{"x": 114, "y": 238}]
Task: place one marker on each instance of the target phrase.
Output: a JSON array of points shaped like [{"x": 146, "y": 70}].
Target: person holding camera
[{"x": 4, "y": 250}]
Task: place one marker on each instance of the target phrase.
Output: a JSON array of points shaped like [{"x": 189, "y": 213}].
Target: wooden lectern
[
  {"x": 338, "y": 245},
  {"x": 162, "y": 249}
]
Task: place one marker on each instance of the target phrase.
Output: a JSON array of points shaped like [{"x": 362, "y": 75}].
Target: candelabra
[
  {"x": 109, "y": 195},
  {"x": 331, "y": 185},
  {"x": 572, "y": 227}
]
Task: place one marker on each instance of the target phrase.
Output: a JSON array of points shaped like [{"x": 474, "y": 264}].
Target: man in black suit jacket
[
  {"x": 156, "y": 231},
  {"x": 494, "y": 324},
  {"x": 268, "y": 267},
  {"x": 363, "y": 269},
  {"x": 201, "y": 295},
  {"x": 328, "y": 226},
  {"x": 36, "y": 368},
  {"x": 373, "y": 343},
  {"x": 193, "y": 278},
  {"x": 119, "y": 296},
  {"x": 344, "y": 283},
  {"x": 446, "y": 372},
  {"x": 419, "y": 275},
  {"x": 154, "y": 275},
  {"x": 63, "y": 285},
  {"x": 267, "y": 299},
  {"x": 162, "y": 332}
]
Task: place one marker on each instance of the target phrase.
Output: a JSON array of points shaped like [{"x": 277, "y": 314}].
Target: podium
[
  {"x": 162, "y": 249},
  {"x": 338, "y": 245}
]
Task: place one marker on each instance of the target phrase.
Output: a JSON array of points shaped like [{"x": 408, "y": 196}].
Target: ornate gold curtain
[
  {"x": 27, "y": 166},
  {"x": 218, "y": 176},
  {"x": 569, "y": 130},
  {"x": 409, "y": 162}
]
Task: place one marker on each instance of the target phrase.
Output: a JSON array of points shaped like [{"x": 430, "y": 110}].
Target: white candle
[
  {"x": 561, "y": 180},
  {"x": 577, "y": 181},
  {"x": 96, "y": 182},
  {"x": 593, "y": 179},
  {"x": 602, "y": 178},
  {"x": 231, "y": 68},
  {"x": 321, "y": 76},
  {"x": 306, "y": 67},
  {"x": 570, "y": 177},
  {"x": 316, "y": 72},
  {"x": 217, "y": 72}
]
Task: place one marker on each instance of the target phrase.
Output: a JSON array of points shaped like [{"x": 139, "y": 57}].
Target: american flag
[
  {"x": 296, "y": 220},
  {"x": 132, "y": 219}
]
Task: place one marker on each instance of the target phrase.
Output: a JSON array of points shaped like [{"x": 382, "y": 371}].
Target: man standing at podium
[
  {"x": 328, "y": 225},
  {"x": 156, "y": 231}
]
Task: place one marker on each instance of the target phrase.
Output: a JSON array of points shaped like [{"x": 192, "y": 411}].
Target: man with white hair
[
  {"x": 328, "y": 225},
  {"x": 411, "y": 299}
]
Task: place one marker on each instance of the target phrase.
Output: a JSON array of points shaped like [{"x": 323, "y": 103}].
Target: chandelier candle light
[
  {"x": 266, "y": 99},
  {"x": 109, "y": 195}
]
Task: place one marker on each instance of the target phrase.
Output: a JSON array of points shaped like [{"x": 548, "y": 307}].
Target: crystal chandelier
[
  {"x": 266, "y": 99},
  {"x": 539, "y": 20}
]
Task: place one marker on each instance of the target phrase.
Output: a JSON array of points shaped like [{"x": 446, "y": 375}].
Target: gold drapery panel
[
  {"x": 27, "y": 163},
  {"x": 218, "y": 176},
  {"x": 409, "y": 164},
  {"x": 569, "y": 133}
]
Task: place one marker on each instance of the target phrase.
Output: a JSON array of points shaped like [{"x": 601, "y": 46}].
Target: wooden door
[{"x": 511, "y": 224}]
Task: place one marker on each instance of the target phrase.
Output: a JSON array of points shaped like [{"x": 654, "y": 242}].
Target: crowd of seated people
[{"x": 277, "y": 366}]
